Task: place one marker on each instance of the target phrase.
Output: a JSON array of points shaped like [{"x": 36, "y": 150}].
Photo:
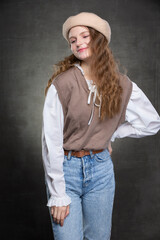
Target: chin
[{"x": 83, "y": 58}]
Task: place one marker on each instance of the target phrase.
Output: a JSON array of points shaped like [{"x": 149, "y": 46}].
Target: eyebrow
[{"x": 80, "y": 34}]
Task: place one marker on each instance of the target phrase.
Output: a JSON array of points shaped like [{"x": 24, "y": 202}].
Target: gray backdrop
[{"x": 31, "y": 42}]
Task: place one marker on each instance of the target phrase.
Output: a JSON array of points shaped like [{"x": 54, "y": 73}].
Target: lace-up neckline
[{"x": 92, "y": 89}]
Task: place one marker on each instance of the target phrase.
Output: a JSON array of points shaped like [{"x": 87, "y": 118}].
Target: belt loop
[
  {"x": 69, "y": 155},
  {"x": 92, "y": 155}
]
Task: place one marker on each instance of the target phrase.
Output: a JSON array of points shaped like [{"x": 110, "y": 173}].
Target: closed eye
[{"x": 83, "y": 37}]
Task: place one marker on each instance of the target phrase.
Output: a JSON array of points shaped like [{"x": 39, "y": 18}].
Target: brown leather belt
[{"x": 81, "y": 153}]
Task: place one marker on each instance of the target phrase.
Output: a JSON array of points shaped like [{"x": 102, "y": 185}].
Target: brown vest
[{"x": 73, "y": 93}]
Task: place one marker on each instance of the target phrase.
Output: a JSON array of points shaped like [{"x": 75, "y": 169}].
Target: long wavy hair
[{"x": 105, "y": 70}]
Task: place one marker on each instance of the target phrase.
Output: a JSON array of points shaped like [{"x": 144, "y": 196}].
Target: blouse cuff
[{"x": 59, "y": 201}]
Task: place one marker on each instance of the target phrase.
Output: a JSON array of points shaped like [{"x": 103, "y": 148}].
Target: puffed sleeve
[
  {"x": 141, "y": 117},
  {"x": 52, "y": 149}
]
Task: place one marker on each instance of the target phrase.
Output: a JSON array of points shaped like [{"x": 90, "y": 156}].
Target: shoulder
[
  {"x": 123, "y": 78},
  {"x": 125, "y": 81},
  {"x": 65, "y": 83},
  {"x": 65, "y": 77}
]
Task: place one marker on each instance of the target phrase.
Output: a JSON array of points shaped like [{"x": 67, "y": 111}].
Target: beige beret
[{"x": 87, "y": 19}]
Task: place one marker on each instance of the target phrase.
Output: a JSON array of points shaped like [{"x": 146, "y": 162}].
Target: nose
[{"x": 79, "y": 41}]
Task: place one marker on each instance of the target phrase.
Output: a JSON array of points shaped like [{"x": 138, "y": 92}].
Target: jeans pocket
[{"x": 102, "y": 156}]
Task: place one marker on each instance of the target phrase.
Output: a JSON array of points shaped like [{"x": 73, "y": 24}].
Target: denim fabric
[{"x": 90, "y": 183}]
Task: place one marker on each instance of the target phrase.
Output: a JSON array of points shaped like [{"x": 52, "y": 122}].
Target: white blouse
[{"x": 141, "y": 120}]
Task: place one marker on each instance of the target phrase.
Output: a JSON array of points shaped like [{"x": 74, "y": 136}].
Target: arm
[
  {"x": 141, "y": 117},
  {"x": 52, "y": 149}
]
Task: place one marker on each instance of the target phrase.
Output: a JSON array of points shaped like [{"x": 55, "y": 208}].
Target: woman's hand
[
  {"x": 59, "y": 214},
  {"x": 110, "y": 148}
]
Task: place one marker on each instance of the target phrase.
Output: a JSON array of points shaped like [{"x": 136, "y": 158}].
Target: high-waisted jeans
[{"x": 90, "y": 183}]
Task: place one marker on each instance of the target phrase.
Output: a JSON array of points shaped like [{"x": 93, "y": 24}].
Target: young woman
[{"x": 88, "y": 104}]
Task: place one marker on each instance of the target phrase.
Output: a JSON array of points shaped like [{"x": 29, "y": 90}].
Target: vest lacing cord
[{"x": 93, "y": 89}]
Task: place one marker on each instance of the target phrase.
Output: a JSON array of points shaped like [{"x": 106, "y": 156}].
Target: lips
[{"x": 80, "y": 50}]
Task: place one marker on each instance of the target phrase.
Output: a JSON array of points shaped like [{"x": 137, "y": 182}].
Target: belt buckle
[{"x": 80, "y": 153}]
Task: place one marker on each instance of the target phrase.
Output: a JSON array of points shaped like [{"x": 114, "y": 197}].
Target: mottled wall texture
[{"x": 30, "y": 43}]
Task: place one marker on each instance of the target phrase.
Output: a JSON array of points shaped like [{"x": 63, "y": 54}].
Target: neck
[{"x": 86, "y": 69}]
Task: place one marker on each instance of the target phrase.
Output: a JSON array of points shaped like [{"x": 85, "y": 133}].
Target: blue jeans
[{"x": 90, "y": 183}]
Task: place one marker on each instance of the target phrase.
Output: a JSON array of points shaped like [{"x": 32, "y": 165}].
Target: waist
[{"x": 81, "y": 153}]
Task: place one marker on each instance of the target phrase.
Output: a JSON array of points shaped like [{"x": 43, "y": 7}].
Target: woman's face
[{"x": 79, "y": 38}]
